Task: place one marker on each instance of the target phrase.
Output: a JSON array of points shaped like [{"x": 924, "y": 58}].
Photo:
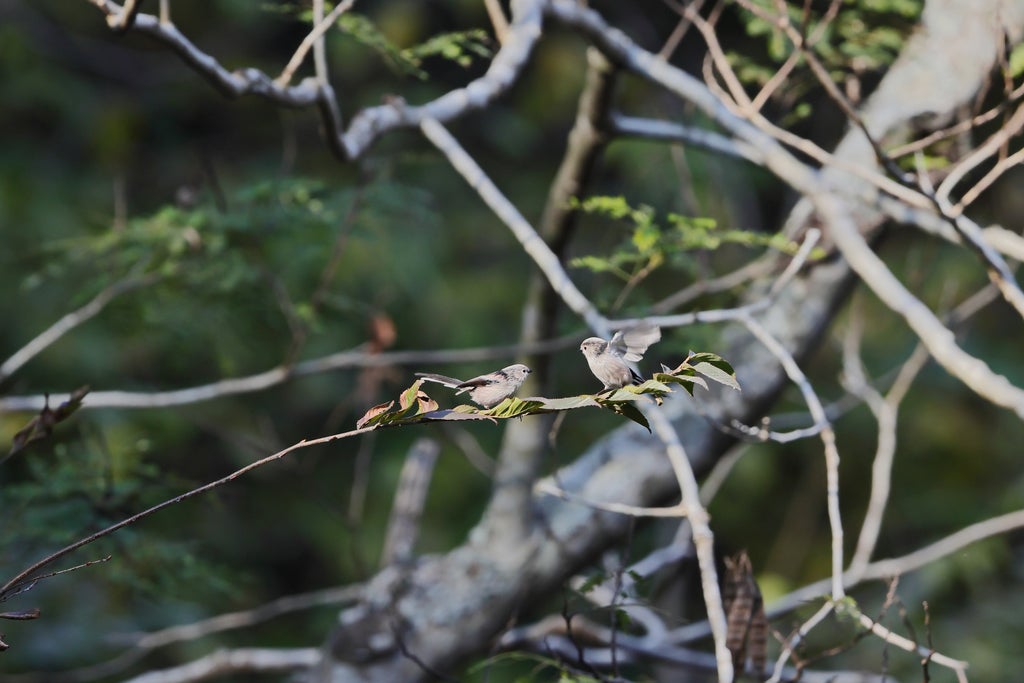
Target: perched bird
[
  {"x": 609, "y": 360},
  {"x": 486, "y": 390}
]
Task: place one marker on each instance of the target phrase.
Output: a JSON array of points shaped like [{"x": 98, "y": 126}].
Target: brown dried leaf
[{"x": 373, "y": 412}]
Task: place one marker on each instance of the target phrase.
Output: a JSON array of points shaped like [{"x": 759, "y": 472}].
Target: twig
[
  {"x": 957, "y": 666},
  {"x": 982, "y": 153},
  {"x": 123, "y": 20},
  {"x": 937, "y": 338},
  {"x": 703, "y": 538},
  {"x": 369, "y": 124},
  {"x": 1001, "y": 167},
  {"x": 354, "y": 358},
  {"x": 27, "y": 575},
  {"x": 410, "y": 497},
  {"x": 498, "y": 20},
  {"x": 531, "y": 242},
  {"x": 242, "y": 660},
  {"x": 70, "y": 321},
  {"x": 886, "y": 411},
  {"x": 828, "y": 439},
  {"x": 669, "y": 131},
  {"x": 882, "y": 569},
  {"x": 142, "y": 644},
  {"x": 548, "y": 487},
  {"x": 797, "y": 638},
  {"x": 314, "y": 37}
]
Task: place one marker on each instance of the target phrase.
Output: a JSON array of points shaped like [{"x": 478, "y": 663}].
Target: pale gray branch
[
  {"x": 703, "y": 538},
  {"x": 668, "y": 131},
  {"x": 315, "y": 37},
  {"x": 234, "y": 662},
  {"x": 67, "y": 323},
  {"x": 533, "y": 245},
  {"x": 358, "y": 357}
]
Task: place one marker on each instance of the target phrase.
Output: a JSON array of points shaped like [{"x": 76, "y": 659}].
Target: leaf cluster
[
  {"x": 458, "y": 47},
  {"x": 651, "y": 244},
  {"x": 415, "y": 406}
]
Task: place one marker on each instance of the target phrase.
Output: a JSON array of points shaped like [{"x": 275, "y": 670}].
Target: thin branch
[
  {"x": 937, "y": 338},
  {"x": 371, "y": 123},
  {"x": 898, "y": 566},
  {"x": 531, "y": 242},
  {"x": 828, "y": 439},
  {"x": 246, "y": 618},
  {"x": 669, "y": 131},
  {"x": 70, "y": 321},
  {"x": 886, "y": 410},
  {"x": 982, "y": 153},
  {"x": 703, "y": 538},
  {"x": 28, "y": 575},
  {"x": 233, "y": 662},
  {"x": 141, "y": 644},
  {"x": 550, "y": 488},
  {"x": 320, "y": 46},
  {"x": 354, "y": 358},
  {"x": 956, "y": 129},
  {"x": 957, "y": 666},
  {"x": 314, "y": 38},
  {"x": 1001, "y": 167},
  {"x": 123, "y": 20},
  {"x": 746, "y": 273},
  {"x": 498, "y": 20},
  {"x": 797, "y": 638}
]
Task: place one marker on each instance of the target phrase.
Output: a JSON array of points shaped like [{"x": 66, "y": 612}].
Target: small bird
[
  {"x": 487, "y": 390},
  {"x": 609, "y": 360}
]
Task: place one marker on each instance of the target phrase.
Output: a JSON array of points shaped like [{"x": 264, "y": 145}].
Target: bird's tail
[{"x": 440, "y": 379}]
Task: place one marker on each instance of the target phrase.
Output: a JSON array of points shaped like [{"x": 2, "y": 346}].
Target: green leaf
[
  {"x": 632, "y": 412},
  {"x": 591, "y": 583},
  {"x": 1017, "y": 60},
  {"x": 714, "y": 367},
  {"x": 686, "y": 377},
  {"x": 513, "y": 407}
]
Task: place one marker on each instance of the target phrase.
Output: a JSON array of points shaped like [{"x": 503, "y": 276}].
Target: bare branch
[
  {"x": 957, "y": 666},
  {"x": 797, "y": 638},
  {"x": 668, "y": 131},
  {"x": 984, "y": 152},
  {"x": 703, "y": 538},
  {"x": 315, "y": 37},
  {"x": 533, "y": 245},
  {"x": 886, "y": 411},
  {"x": 897, "y": 566},
  {"x": 939, "y": 341},
  {"x": 498, "y": 20},
  {"x": 410, "y": 497},
  {"x": 828, "y": 439},
  {"x": 28, "y": 575},
  {"x": 68, "y": 322},
  {"x": 239, "y": 661},
  {"x": 1000, "y": 167},
  {"x": 358, "y": 357}
]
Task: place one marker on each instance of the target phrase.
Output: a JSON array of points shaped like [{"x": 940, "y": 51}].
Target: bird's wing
[
  {"x": 440, "y": 379},
  {"x": 632, "y": 343},
  {"x": 481, "y": 381}
]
